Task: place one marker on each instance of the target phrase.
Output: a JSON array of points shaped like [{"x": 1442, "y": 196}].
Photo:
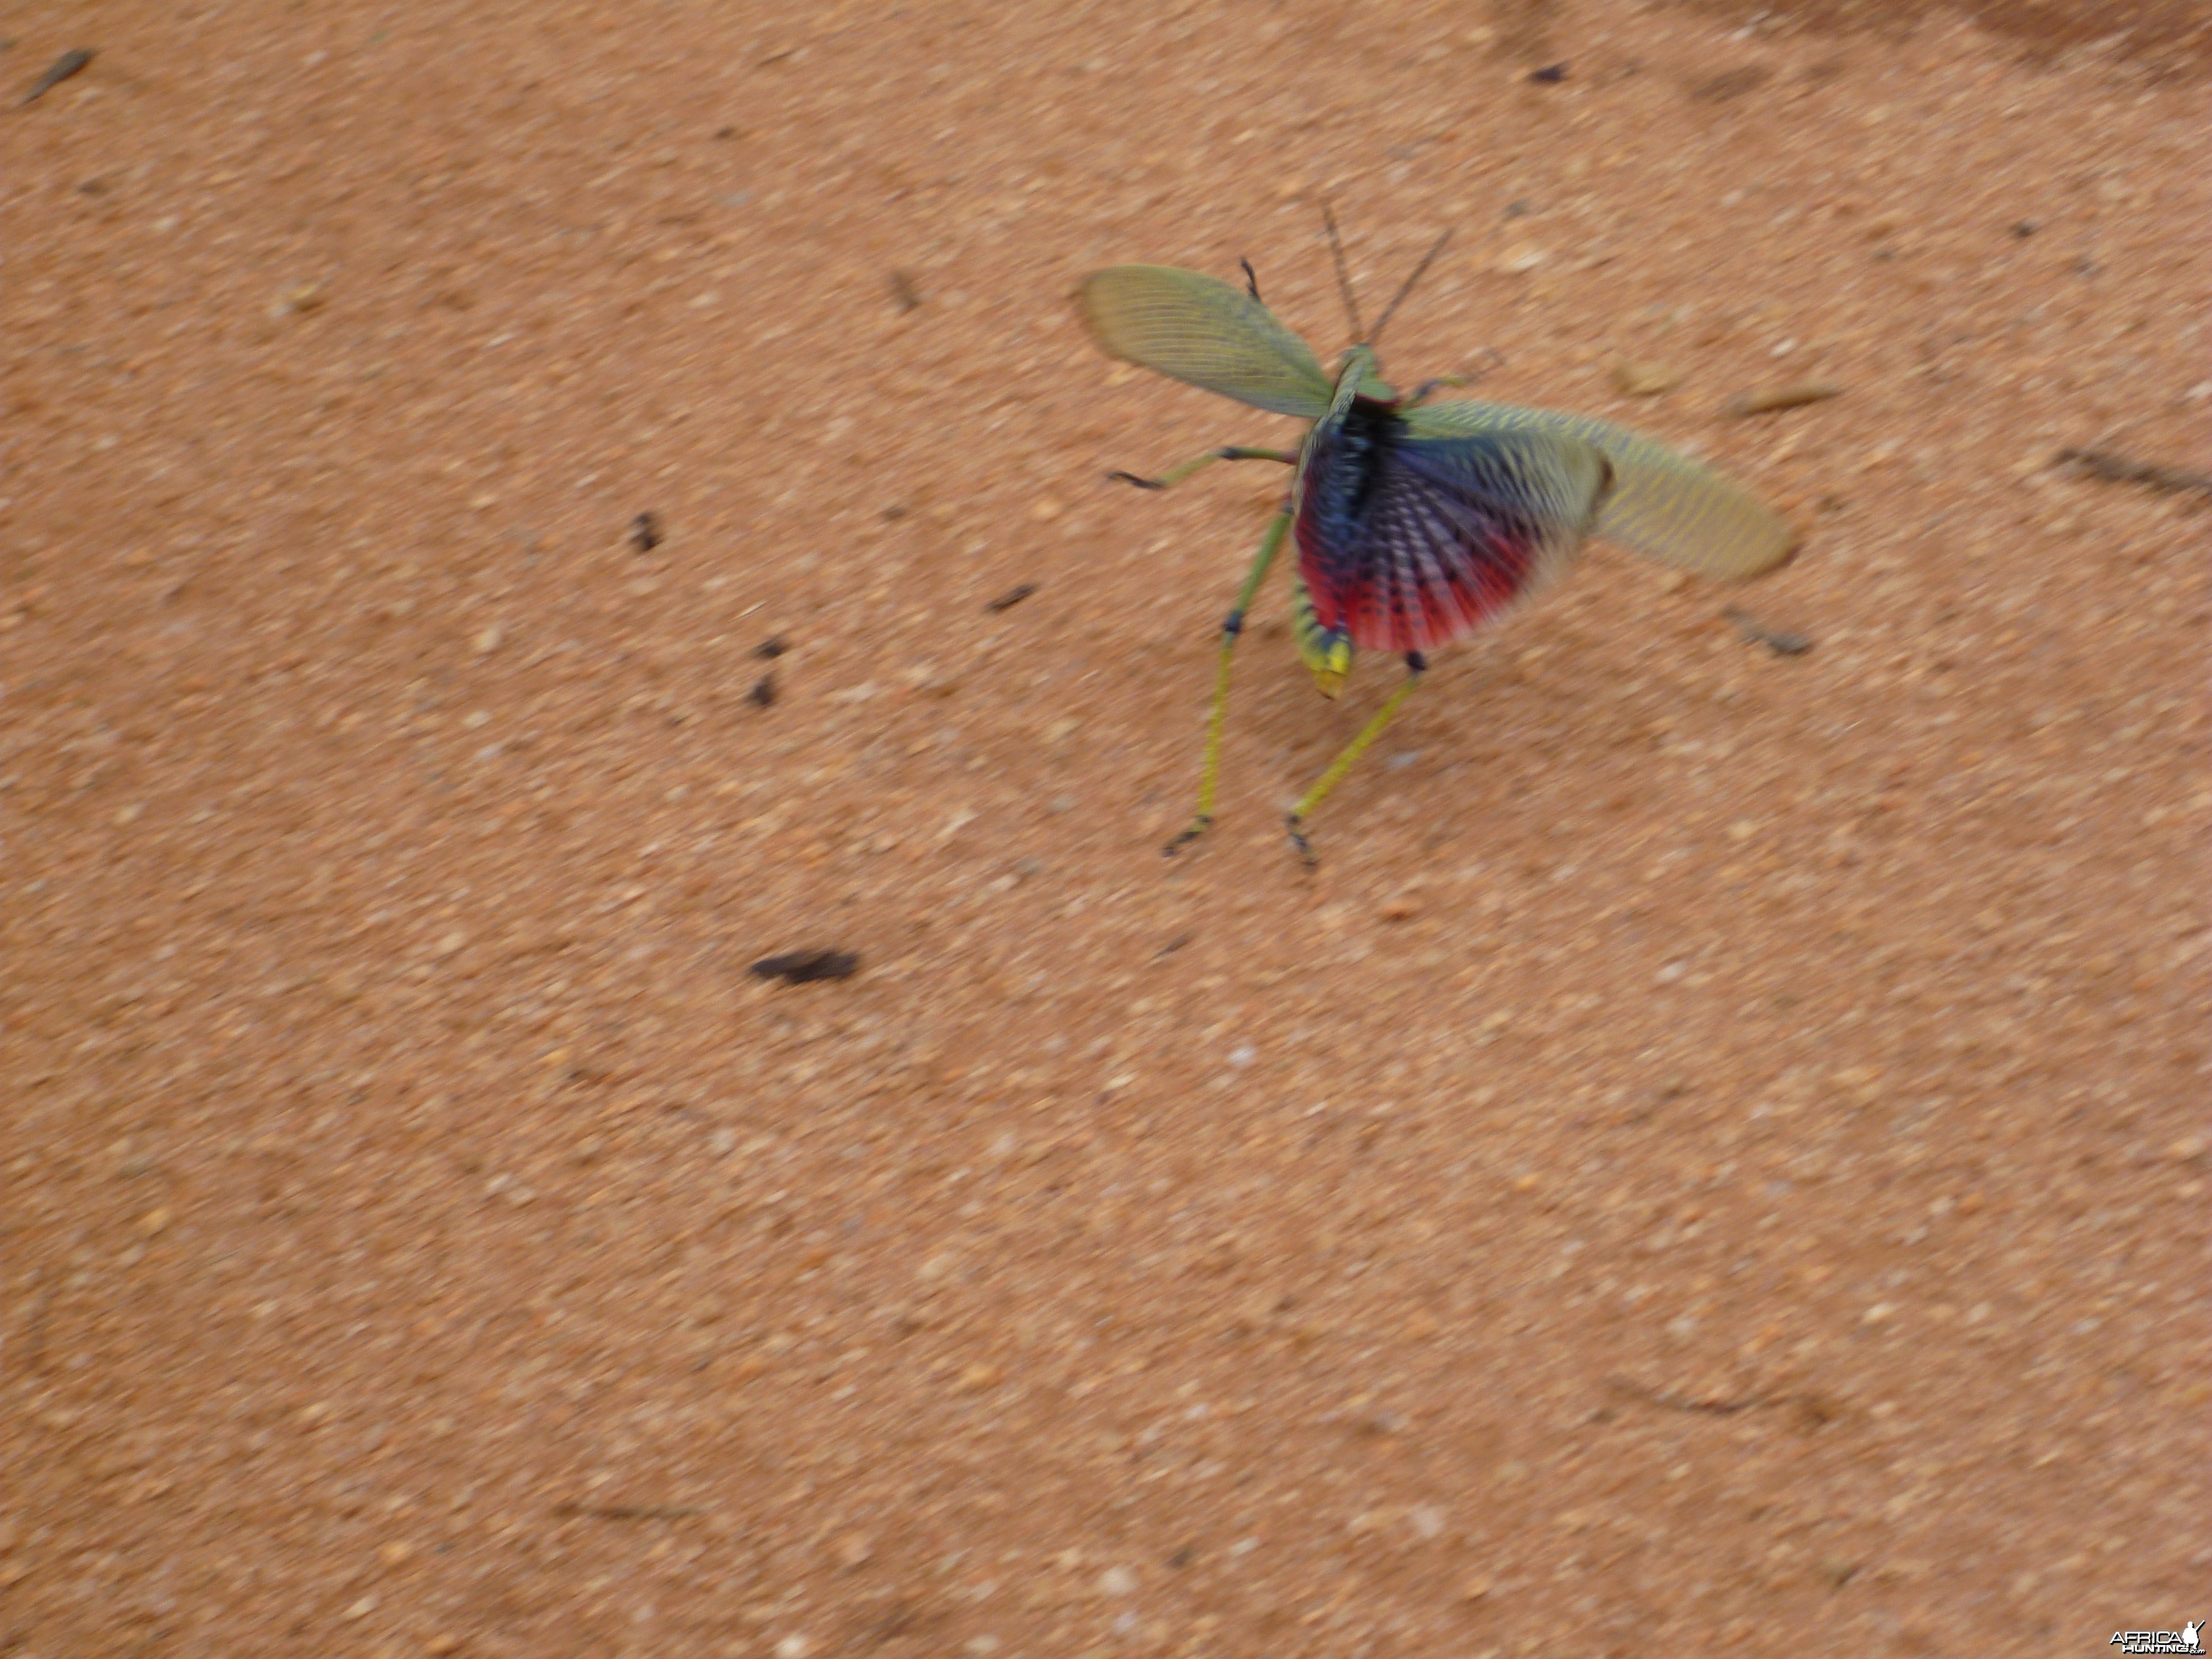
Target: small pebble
[
  {"x": 1645, "y": 379},
  {"x": 1117, "y": 1581},
  {"x": 644, "y": 532},
  {"x": 1795, "y": 395}
]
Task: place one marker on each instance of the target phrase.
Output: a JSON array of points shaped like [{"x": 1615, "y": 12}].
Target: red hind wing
[{"x": 1447, "y": 533}]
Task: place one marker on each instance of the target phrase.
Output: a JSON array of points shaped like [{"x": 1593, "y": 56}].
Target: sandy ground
[{"x": 1716, "y": 1157}]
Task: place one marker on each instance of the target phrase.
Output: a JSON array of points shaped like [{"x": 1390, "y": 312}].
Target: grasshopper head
[{"x": 1358, "y": 373}]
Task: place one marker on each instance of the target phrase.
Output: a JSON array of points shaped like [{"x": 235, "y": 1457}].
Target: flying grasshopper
[{"x": 1416, "y": 522}]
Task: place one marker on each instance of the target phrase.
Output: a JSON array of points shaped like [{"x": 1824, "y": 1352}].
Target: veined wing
[
  {"x": 1417, "y": 541},
  {"x": 1202, "y": 331},
  {"x": 1663, "y": 504}
]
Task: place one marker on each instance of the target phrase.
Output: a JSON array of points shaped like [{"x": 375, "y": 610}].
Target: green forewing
[
  {"x": 1663, "y": 504},
  {"x": 1201, "y": 330}
]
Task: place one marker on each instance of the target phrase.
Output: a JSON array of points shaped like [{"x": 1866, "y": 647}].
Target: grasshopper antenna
[
  {"x": 1343, "y": 275},
  {"x": 1391, "y": 309}
]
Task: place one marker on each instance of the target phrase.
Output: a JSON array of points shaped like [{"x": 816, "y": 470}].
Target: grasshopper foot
[
  {"x": 1297, "y": 827},
  {"x": 1199, "y": 827},
  {"x": 1141, "y": 483}
]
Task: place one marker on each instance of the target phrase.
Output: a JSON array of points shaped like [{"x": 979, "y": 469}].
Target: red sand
[{"x": 1716, "y": 1158}]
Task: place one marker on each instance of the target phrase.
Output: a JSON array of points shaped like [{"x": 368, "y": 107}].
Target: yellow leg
[
  {"x": 1210, "y": 772},
  {"x": 1345, "y": 762}
]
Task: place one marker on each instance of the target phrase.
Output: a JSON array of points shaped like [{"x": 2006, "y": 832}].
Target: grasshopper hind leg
[
  {"x": 1416, "y": 666},
  {"x": 1210, "y": 771}
]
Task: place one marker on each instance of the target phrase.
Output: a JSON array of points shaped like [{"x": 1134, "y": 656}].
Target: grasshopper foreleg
[{"x": 1175, "y": 474}]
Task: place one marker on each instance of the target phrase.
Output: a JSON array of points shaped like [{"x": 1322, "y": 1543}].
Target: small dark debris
[
  {"x": 1815, "y": 1412},
  {"x": 1549, "y": 76},
  {"x": 2085, "y": 266},
  {"x": 2119, "y": 469},
  {"x": 625, "y": 1512},
  {"x": 69, "y": 63},
  {"x": 771, "y": 648},
  {"x": 893, "y": 512},
  {"x": 1781, "y": 644},
  {"x": 763, "y": 692},
  {"x": 1012, "y": 596},
  {"x": 805, "y": 967},
  {"x": 903, "y": 290},
  {"x": 644, "y": 532},
  {"x": 2024, "y": 228},
  {"x": 1183, "y": 1558},
  {"x": 1520, "y": 207},
  {"x": 725, "y": 132},
  {"x": 92, "y": 187},
  {"x": 1730, "y": 83},
  {"x": 1677, "y": 1402},
  {"x": 1175, "y": 945}
]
